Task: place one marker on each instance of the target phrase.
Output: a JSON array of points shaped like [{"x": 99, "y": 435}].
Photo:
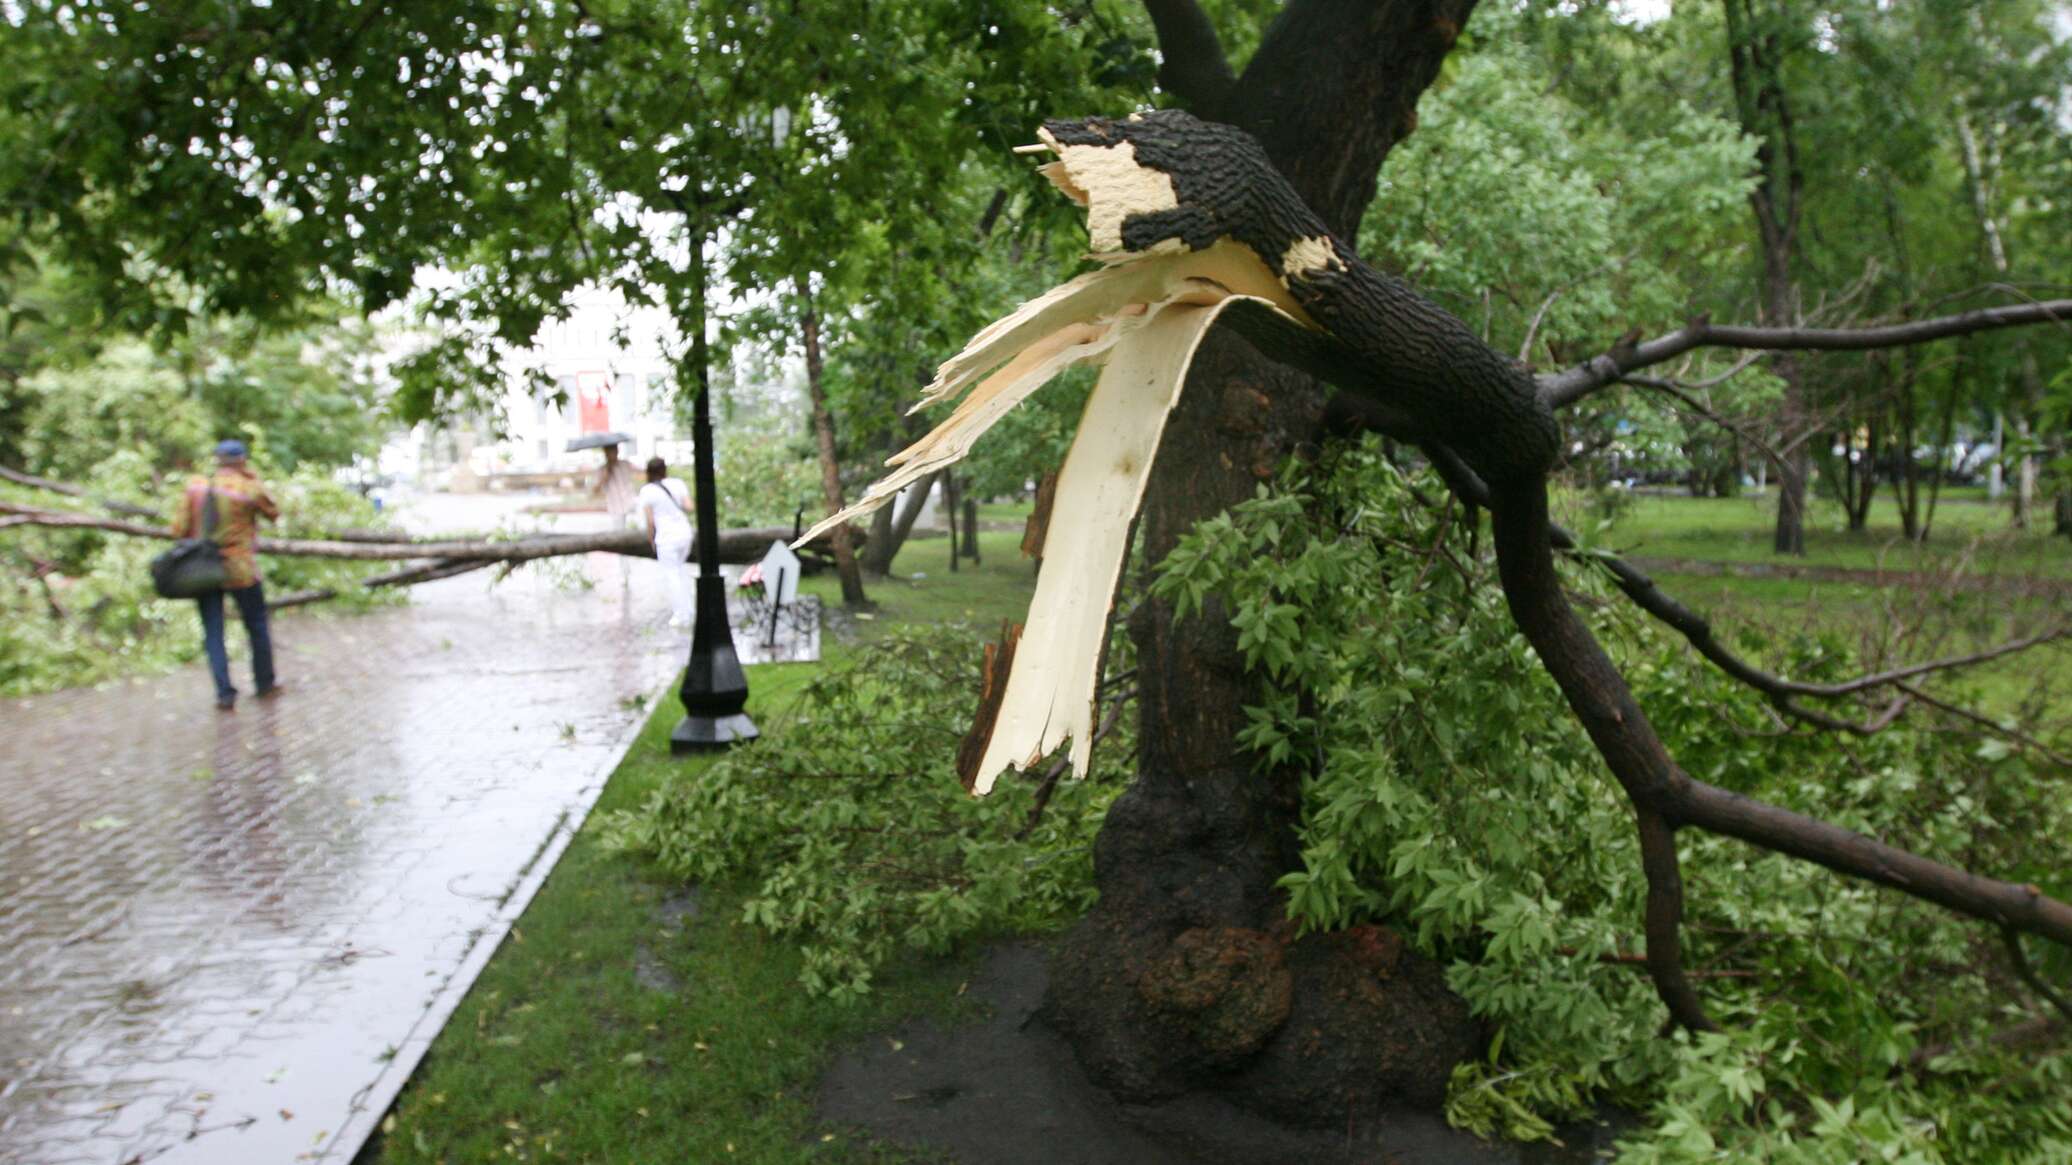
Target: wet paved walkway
[{"x": 227, "y": 938}]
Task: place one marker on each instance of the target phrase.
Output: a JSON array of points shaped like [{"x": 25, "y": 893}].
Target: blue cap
[{"x": 231, "y": 447}]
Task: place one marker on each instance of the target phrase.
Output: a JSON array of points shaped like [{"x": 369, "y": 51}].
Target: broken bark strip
[
  {"x": 736, "y": 546},
  {"x": 999, "y": 659}
]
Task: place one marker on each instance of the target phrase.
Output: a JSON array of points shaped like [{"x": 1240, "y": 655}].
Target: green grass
[
  {"x": 923, "y": 588},
  {"x": 558, "y": 1053},
  {"x": 1738, "y": 530},
  {"x": 1970, "y": 538}
]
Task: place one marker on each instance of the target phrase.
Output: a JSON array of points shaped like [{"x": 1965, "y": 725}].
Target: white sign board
[{"x": 780, "y": 574}]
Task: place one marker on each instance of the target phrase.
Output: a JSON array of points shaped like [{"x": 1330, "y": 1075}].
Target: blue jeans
[{"x": 251, "y": 611}]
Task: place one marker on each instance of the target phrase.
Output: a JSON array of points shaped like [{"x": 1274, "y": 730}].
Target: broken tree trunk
[{"x": 1184, "y": 977}]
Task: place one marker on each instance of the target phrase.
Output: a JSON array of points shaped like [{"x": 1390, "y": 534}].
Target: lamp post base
[
  {"x": 705, "y": 733},
  {"x": 714, "y": 688}
]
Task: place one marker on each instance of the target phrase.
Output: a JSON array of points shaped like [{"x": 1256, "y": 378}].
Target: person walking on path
[
  {"x": 664, "y": 501},
  {"x": 240, "y": 501}
]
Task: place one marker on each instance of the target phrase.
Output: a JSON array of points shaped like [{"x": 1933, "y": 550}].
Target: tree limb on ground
[
  {"x": 69, "y": 490},
  {"x": 735, "y": 546},
  {"x": 408, "y": 576}
]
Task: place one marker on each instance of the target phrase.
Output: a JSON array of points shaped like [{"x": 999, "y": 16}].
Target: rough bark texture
[{"x": 1184, "y": 978}]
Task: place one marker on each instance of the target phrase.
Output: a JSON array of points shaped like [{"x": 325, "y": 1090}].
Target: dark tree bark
[
  {"x": 971, "y": 529},
  {"x": 830, "y": 468},
  {"x": 1754, "y": 49},
  {"x": 1184, "y": 976}
]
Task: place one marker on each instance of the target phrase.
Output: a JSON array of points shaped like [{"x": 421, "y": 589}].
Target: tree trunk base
[{"x": 1161, "y": 1001}]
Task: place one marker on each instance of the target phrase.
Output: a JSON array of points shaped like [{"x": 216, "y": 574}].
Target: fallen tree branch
[
  {"x": 2022, "y": 967},
  {"x": 735, "y": 546},
  {"x": 427, "y": 572},
  {"x": 1636, "y": 585},
  {"x": 1559, "y": 389},
  {"x": 76, "y": 491},
  {"x": 1664, "y": 921}
]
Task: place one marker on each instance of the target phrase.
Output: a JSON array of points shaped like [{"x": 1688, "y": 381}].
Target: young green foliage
[
  {"x": 1452, "y": 797},
  {"x": 849, "y": 826}
]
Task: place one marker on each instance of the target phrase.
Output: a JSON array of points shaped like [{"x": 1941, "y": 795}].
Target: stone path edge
[{"x": 371, "y": 1103}]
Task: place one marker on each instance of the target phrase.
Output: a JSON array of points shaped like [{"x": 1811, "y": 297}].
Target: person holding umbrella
[{"x": 615, "y": 482}]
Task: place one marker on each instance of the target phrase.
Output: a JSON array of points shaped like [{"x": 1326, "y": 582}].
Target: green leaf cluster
[
  {"x": 1450, "y": 795},
  {"x": 848, "y": 825}
]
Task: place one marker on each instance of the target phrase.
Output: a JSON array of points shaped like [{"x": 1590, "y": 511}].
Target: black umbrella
[{"x": 596, "y": 440}]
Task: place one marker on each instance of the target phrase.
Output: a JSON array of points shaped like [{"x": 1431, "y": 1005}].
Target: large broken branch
[
  {"x": 736, "y": 546},
  {"x": 1557, "y": 389},
  {"x": 1190, "y": 218},
  {"x": 112, "y": 505}
]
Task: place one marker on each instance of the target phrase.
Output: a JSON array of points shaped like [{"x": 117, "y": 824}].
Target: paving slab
[{"x": 227, "y": 937}]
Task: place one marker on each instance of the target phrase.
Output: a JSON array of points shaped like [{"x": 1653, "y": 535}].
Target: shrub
[
  {"x": 1452, "y": 796},
  {"x": 848, "y": 821}
]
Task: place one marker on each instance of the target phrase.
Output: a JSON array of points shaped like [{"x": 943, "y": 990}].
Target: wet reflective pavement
[{"x": 228, "y": 937}]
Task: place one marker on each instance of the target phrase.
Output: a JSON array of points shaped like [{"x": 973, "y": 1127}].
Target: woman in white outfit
[{"x": 665, "y": 502}]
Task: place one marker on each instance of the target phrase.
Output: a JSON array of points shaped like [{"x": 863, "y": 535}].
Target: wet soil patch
[
  {"x": 672, "y": 914},
  {"x": 1007, "y": 1091}
]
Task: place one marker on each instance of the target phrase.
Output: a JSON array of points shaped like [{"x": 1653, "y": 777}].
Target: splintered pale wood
[
  {"x": 1096, "y": 294},
  {"x": 1050, "y": 685},
  {"x": 1075, "y": 323},
  {"x": 1143, "y": 314}
]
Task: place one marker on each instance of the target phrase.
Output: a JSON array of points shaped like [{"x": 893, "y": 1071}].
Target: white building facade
[{"x": 610, "y": 366}]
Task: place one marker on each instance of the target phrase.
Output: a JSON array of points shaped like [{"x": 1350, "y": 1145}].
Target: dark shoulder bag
[{"x": 194, "y": 566}]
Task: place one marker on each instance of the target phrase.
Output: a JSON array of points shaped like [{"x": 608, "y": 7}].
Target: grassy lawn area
[
  {"x": 1971, "y": 537},
  {"x": 1739, "y": 530},
  {"x": 573, "y": 1046}
]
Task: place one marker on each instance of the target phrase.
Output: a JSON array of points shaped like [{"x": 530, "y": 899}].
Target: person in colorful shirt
[{"x": 240, "y": 501}]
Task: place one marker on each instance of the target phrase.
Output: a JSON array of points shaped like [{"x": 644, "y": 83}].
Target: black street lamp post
[{"x": 715, "y": 690}]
